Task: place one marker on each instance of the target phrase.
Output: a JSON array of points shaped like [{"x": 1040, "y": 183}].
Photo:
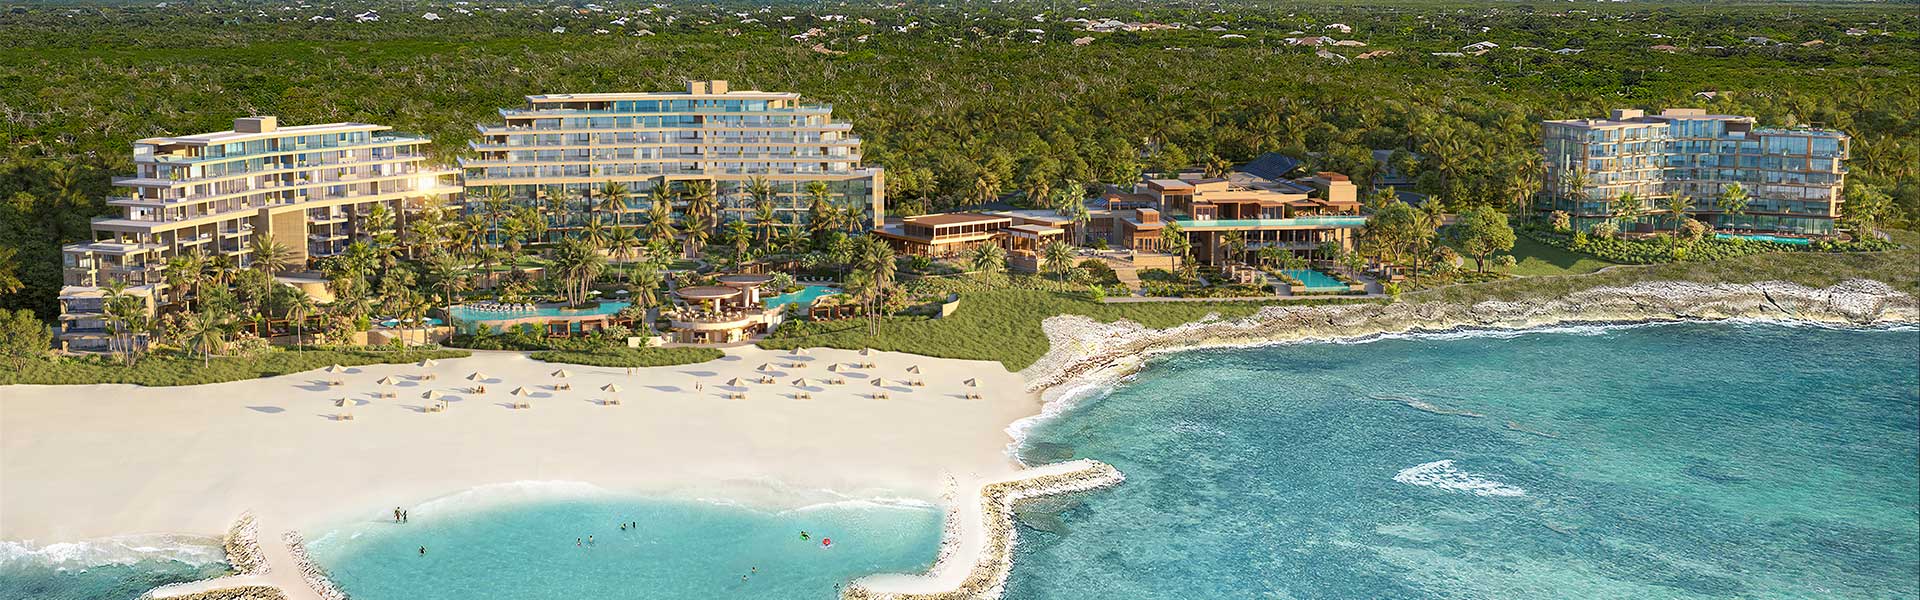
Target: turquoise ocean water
[
  {"x": 1668, "y": 461},
  {"x": 681, "y": 549},
  {"x": 108, "y": 569}
]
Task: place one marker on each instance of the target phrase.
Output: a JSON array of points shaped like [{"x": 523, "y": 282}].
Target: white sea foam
[
  {"x": 1442, "y": 474},
  {"x": 118, "y": 550},
  {"x": 515, "y": 492},
  {"x": 879, "y": 503},
  {"x": 1089, "y": 387}
]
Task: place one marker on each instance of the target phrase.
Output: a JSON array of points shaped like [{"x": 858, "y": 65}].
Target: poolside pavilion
[{"x": 721, "y": 314}]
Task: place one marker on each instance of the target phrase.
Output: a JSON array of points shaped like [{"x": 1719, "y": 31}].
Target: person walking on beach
[
  {"x": 403, "y": 516},
  {"x": 396, "y": 514}
]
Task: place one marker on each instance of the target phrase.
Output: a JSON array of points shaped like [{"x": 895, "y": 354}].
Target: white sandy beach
[{"x": 81, "y": 462}]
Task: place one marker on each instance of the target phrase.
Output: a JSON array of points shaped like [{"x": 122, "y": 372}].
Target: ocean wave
[
  {"x": 117, "y": 550},
  {"x": 1092, "y": 387},
  {"x": 877, "y": 503},
  {"x": 1442, "y": 474}
]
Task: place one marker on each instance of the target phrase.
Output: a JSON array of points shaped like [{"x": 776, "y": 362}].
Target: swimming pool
[
  {"x": 803, "y": 296},
  {"x": 392, "y": 323},
  {"x": 1316, "y": 280},
  {"x": 465, "y": 313},
  {"x": 1765, "y": 238}
]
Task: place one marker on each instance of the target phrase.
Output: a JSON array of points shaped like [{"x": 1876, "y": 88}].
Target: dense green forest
[{"x": 960, "y": 102}]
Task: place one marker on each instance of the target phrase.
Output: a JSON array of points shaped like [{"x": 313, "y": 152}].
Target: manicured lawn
[
  {"x": 631, "y": 357},
  {"x": 1000, "y": 325},
  {"x": 1537, "y": 259},
  {"x": 169, "y": 369}
]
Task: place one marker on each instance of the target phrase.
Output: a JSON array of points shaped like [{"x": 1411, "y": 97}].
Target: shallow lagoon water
[
  {"x": 681, "y": 549},
  {"x": 1668, "y": 461}
]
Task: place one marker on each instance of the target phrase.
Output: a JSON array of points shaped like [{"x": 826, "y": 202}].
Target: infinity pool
[
  {"x": 1765, "y": 238},
  {"x": 465, "y": 313},
  {"x": 1316, "y": 280},
  {"x": 803, "y": 296}
]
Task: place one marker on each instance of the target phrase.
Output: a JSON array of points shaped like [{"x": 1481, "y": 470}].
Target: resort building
[
  {"x": 1793, "y": 176},
  {"x": 312, "y": 188},
  {"x": 557, "y": 151},
  {"x": 728, "y": 312},
  {"x": 1025, "y": 236},
  {"x": 1299, "y": 215}
]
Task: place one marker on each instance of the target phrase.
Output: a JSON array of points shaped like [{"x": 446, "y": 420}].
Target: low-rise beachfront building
[
  {"x": 1794, "y": 176},
  {"x": 558, "y": 151},
  {"x": 311, "y": 188},
  {"x": 1298, "y": 215},
  {"x": 951, "y": 235},
  {"x": 729, "y": 312}
]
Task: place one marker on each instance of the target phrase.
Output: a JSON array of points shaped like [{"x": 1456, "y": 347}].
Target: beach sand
[{"x": 82, "y": 462}]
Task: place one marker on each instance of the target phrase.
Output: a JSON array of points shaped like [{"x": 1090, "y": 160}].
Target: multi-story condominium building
[
  {"x": 559, "y": 150},
  {"x": 307, "y": 187},
  {"x": 1298, "y": 215},
  {"x": 1793, "y": 176}
]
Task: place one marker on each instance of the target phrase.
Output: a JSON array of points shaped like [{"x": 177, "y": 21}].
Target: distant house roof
[
  {"x": 953, "y": 219},
  {"x": 1272, "y": 165}
]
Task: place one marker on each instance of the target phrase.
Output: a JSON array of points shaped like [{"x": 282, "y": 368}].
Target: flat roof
[
  {"x": 1037, "y": 229},
  {"x": 230, "y": 136},
  {"x": 679, "y": 94},
  {"x": 1170, "y": 184},
  {"x": 944, "y": 219},
  {"x": 745, "y": 279},
  {"x": 706, "y": 292}
]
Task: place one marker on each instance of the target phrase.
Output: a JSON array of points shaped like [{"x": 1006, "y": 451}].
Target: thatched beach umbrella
[
  {"x": 610, "y": 388},
  {"x": 734, "y": 382},
  {"x": 519, "y": 391},
  {"x": 801, "y": 382},
  {"x": 388, "y": 380},
  {"x": 878, "y": 381},
  {"x": 432, "y": 395},
  {"x": 477, "y": 376},
  {"x": 913, "y": 369},
  {"x": 562, "y": 373},
  {"x": 972, "y": 383},
  {"x": 835, "y": 367},
  {"x": 429, "y": 362},
  {"x": 766, "y": 366},
  {"x": 336, "y": 368}
]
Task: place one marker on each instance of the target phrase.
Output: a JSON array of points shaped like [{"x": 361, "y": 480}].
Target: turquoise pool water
[
  {"x": 803, "y": 297},
  {"x": 1674, "y": 462},
  {"x": 105, "y": 569},
  {"x": 464, "y": 313},
  {"x": 1316, "y": 280},
  {"x": 390, "y": 323},
  {"x": 1765, "y": 238},
  {"x": 682, "y": 549}
]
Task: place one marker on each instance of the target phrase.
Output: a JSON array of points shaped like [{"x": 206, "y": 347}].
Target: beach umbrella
[
  {"x": 388, "y": 380},
  {"x": 835, "y": 367},
  {"x": 562, "y": 373},
  {"x": 877, "y": 382},
  {"x": 477, "y": 376},
  {"x": 336, "y": 368},
  {"x": 973, "y": 383},
  {"x": 429, "y": 362},
  {"x": 866, "y": 351},
  {"x": 519, "y": 391},
  {"x": 801, "y": 382},
  {"x": 734, "y": 381},
  {"x": 766, "y": 366},
  {"x": 913, "y": 369},
  {"x": 610, "y": 388},
  {"x": 432, "y": 395}
]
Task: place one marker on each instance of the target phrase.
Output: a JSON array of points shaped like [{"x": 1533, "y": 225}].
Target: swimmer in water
[
  {"x": 423, "y": 550},
  {"x": 589, "y": 540},
  {"x": 804, "y": 536}
]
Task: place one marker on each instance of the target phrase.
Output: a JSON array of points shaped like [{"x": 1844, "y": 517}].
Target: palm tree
[
  {"x": 624, "y": 243},
  {"x": 646, "y": 285},
  {"x": 206, "y": 332},
  {"x": 741, "y": 236},
  {"x": 989, "y": 260},
  {"x": 1732, "y": 202},
  {"x": 877, "y": 262},
  {"x": 494, "y": 203},
  {"x": 1679, "y": 205},
  {"x": 578, "y": 264},
  {"x": 660, "y": 214},
  {"x": 269, "y": 255},
  {"x": 1173, "y": 240},
  {"x": 448, "y": 272},
  {"x": 613, "y": 199},
  {"x": 1059, "y": 257},
  {"x": 182, "y": 274},
  {"x": 762, "y": 194},
  {"x": 596, "y": 232},
  {"x": 300, "y": 307},
  {"x": 413, "y": 308},
  {"x": 822, "y": 216},
  {"x": 702, "y": 211},
  {"x": 220, "y": 269},
  {"x": 1235, "y": 244},
  {"x": 1628, "y": 209}
]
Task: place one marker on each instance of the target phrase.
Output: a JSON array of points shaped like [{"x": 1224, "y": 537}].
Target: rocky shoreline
[
  {"x": 998, "y": 500},
  {"x": 315, "y": 576},
  {"x": 1083, "y": 350}
]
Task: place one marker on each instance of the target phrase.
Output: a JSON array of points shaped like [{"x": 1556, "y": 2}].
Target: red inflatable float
[{"x": 826, "y": 542}]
